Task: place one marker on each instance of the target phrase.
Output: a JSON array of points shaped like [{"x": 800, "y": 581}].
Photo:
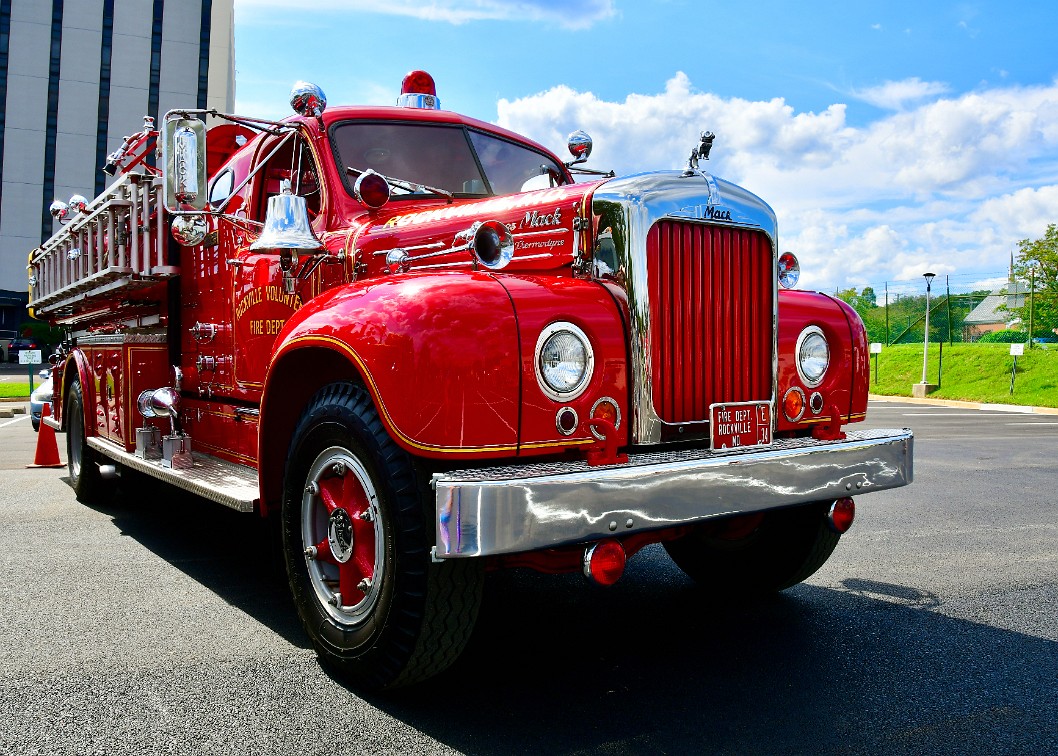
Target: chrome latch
[{"x": 204, "y": 333}]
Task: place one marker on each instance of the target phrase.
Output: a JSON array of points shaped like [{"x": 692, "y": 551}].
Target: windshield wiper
[{"x": 409, "y": 186}]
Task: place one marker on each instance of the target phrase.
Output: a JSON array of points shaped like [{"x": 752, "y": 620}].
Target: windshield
[{"x": 461, "y": 161}]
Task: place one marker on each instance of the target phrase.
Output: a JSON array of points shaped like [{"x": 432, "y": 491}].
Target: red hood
[{"x": 542, "y": 223}]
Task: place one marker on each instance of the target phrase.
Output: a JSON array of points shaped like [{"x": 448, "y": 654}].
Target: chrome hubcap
[{"x": 342, "y": 536}]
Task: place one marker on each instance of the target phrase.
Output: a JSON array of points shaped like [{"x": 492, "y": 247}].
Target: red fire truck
[{"x": 426, "y": 347}]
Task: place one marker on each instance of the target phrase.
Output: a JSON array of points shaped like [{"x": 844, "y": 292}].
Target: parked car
[
  {"x": 6, "y": 337},
  {"x": 17, "y": 345},
  {"x": 41, "y": 395}
]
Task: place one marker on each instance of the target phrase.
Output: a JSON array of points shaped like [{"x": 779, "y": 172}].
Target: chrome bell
[
  {"x": 287, "y": 224},
  {"x": 307, "y": 99}
]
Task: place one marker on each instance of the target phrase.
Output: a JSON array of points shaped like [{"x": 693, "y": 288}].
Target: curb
[{"x": 1013, "y": 408}]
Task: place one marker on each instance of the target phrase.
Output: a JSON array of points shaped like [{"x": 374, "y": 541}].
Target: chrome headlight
[
  {"x": 813, "y": 355},
  {"x": 564, "y": 361}
]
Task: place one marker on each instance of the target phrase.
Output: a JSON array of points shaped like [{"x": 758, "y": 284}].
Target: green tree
[
  {"x": 865, "y": 303},
  {"x": 861, "y": 302},
  {"x": 1038, "y": 260}
]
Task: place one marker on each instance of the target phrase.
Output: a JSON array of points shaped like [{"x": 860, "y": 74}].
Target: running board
[{"x": 211, "y": 478}]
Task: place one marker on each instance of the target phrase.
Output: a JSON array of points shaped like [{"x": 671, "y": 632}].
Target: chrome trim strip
[
  {"x": 630, "y": 207},
  {"x": 523, "y": 508},
  {"x": 122, "y": 337},
  {"x": 434, "y": 245},
  {"x": 540, "y": 256},
  {"x": 545, "y": 232},
  {"x": 221, "y": 482}
]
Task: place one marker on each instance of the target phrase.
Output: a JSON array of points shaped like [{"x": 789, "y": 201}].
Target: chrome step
[{"x": 211, "y": 478}]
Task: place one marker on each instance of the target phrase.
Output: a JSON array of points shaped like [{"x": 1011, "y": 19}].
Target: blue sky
[{"x": 891, "y": 138}]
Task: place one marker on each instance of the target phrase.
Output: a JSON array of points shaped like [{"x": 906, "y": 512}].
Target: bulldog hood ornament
[{"x": 699, "y": 151}]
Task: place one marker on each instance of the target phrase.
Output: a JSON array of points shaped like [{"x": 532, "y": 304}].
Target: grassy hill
[{"x": 972, "y": 372}]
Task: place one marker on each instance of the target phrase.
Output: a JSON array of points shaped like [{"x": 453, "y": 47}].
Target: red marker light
[
  {"x": 371, "y": 189},
  {"x": 418, "y": 91},
  {"x": 418, "y": 82},
  {"x": 789, "y": 270}
]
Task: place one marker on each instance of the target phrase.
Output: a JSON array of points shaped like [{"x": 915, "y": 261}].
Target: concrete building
[{"x": 76, "y": 77}]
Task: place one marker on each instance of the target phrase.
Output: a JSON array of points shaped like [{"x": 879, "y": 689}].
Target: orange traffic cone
[{"x": 47, "y": 450}]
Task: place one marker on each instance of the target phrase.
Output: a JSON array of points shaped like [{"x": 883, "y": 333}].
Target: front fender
[
  {"x": 843, "y": 386},
  {"x": 77, "y": 369},
  {"x": 437, "y": 351}
]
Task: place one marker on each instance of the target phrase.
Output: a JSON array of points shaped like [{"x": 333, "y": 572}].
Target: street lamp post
[{"x": 925, "y": 341}]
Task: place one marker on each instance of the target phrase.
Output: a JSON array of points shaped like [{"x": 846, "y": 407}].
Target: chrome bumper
[{"x": 502, "y": 510}]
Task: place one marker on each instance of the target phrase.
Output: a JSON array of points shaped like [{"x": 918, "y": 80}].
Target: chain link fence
[{"x": 963, "y": 308}]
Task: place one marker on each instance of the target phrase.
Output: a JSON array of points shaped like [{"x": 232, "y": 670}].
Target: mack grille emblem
[
  {"x": 712, "y": 212},
  {"x": 706, "y": 212}
]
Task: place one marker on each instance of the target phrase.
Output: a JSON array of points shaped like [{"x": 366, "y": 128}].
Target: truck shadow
[
  {"x": 233, "y": 554},
  {"x": 653, "y": 665}
]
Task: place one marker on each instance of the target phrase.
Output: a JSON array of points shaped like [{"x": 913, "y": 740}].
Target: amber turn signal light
[{"x": 793, "y": 404}]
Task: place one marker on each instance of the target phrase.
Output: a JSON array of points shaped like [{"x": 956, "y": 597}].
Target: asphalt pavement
[{"x": 159, "y": 624}]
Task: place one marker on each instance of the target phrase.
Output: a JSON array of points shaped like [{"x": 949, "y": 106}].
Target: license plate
[{"x": 739, "y": 425}]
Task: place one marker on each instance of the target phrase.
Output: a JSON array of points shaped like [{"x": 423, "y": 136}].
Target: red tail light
[
  {"x": 604, "y": 562},
  {"x": 842, "y": 513}
]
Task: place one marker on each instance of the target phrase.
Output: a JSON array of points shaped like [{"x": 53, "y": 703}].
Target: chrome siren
[
  {"x": 579, "y": 145},
  {"x": 307, "y": 99}
]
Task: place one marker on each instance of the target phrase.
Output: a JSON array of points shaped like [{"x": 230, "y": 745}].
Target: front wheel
[
  {"x": 356, "y": 542},
  {"x": 756, "y": 554}
]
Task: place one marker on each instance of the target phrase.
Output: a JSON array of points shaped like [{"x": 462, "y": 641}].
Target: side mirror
[{"x": 184, "y": 157}]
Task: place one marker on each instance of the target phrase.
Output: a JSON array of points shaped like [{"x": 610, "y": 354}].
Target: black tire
[
  {"x": 81, "y": 460},
  {"x": 785, "y": 548},
  {"x": 413, "y": 621}
]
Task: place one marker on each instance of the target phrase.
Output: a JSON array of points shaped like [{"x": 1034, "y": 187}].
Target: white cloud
[
  {"x": 895, "y": 95},
  {"x": 572, "y": 14},
  {"x": 949, "y": 185}
]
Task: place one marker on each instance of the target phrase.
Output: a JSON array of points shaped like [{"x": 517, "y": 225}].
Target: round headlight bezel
[
  {"x": 561, "y": 394},
  {"x": 810, "y": 336}
]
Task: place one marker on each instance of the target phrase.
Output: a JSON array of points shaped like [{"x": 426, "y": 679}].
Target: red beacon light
[{"x": 419, "y": 91}]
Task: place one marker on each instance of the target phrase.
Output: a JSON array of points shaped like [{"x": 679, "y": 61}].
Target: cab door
[{"x": 262, "y": 301}]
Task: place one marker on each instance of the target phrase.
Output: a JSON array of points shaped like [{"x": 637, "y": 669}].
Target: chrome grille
[{"x": 711, "y": 293}]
